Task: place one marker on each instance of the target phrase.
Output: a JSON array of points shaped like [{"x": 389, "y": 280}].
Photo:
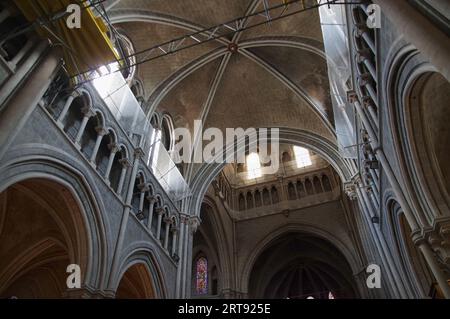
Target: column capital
[
  {"x": 194, "y": 222},
  {"x": 76, "y": 93},
  {"x": 160, "y": 211},
  {"x": 101, "y": 130},
  {"x": 125, "y": 162},
  {"x": 352, "y": 96},
  {"x": 152, "y": 199},
  {"x": 88, "y": 111},
  {"x": 184, "y": 218},
  {"x": 143, "y": 187},
  {"x": 351, "y": 186},
  {"x": 114, "y": 147},
  {"x": 138, "y": 152}
]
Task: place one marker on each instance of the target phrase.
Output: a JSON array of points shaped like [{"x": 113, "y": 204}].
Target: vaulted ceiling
[{"x": 277, "y": 78}]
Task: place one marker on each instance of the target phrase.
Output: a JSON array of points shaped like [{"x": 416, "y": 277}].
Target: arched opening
[
  {"x": 118, "y": 165},
  {"x": 309, "y": 187},
  {"x": 136, "y": 283},
  {"x": 104, "y": 152},
  {"x": 326, "y": 183},
  {"x": 72, "y": 121},
  {"x": 167, "y": 131},
  {"x": 291, "y": 192},
  {"x": 11, "y": 47},
  {"x": 266, "y": 197},
  {"x": 42, "y": 232},
  {"x": 317, "y": 185},
  {"x": 208, "y": 259},
  {"x": 241, "y": 202},
  {"x": 258, "y": 199},
  {"x": 417, "y": 274},
  {"x": 90, "y": 134},
  {"x": 298, "y": 266},
  {"x": 301, "y": 189},
  {"x": 430, "y": 133},
  {"x": 274, "y": 193},
  {"x": 249, "y": 200}
]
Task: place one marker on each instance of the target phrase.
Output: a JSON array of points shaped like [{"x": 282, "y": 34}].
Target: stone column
[
  {"x": 19, "y": 56},
  {"x": 138, "y": 153},
  {"x": 101, "y": 133},
  {"x": 114, "y": 148},
  {"x": 160, "y": 213},
  {"x": 17, "y": 103},
  {"x": 178, "y": 288},
  {"x": 143, "y": 189},
  {"x": 192, "y": 226},
  {"x": 152, "y": 201},
  {"x": 168, "y": 222},
  {"x": 125, "y": 165},
  {"x": 174, "y": 240},
  {"x": 88, "y": 113},
  {"x": 66, "y": 107}
]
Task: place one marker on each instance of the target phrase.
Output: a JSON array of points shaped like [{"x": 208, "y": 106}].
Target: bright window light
[
  {"x": 156, "y": 143},
  {"x": 253, "y": 166},
  {"x": 302, "y": 157},
  {"x": 106, "y": 79}
]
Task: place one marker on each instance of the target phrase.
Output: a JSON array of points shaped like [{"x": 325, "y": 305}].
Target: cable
[{"x": 209, "y": 39}]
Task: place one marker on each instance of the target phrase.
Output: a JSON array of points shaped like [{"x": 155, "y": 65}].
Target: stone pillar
[
  {"x": 125, "y": 165},
  {"x": 138, "y": 153},
  {"x": 283, "y": 197},
  {"x": 160, "y": 213},
  {"x": 18, "y": 103},
  {"x": 114, "y": 149},
  {"x": 66, "y": 107},
  {"x": 192, "y": 226},
  {"x": 174, "y": 241},
  {"x": 101, "y": 133},
  {"x": 88, "y": 113},
  {"x": 168, "y": 222},
  {"x": 183, "y": 221},
  {"x": 397, "y": 189},
  {"x": 19, "y": 56},
  {"x": 143, "y": 189},
  {"x": 152, "y": 201}
]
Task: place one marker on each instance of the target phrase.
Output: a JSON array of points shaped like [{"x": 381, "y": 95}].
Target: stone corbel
[
  {"x": 439, "y": 240},
  {"x": 350, "y": 190},
  {"x": 194, "y": 222},
  {"x": 352, "y": 97}
]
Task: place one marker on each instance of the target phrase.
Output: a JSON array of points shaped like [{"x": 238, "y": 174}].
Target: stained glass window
[{"x": 202, "y": 276}]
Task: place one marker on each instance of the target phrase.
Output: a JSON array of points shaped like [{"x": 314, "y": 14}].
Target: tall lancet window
[
  {"x": 302, "y": 157},
  {"x": 253, "y": 166},
  {"x": 201, "y": 278}
]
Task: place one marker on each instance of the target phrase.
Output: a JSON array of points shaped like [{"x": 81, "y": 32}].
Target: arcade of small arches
[{"x": 77, "y": 185}]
